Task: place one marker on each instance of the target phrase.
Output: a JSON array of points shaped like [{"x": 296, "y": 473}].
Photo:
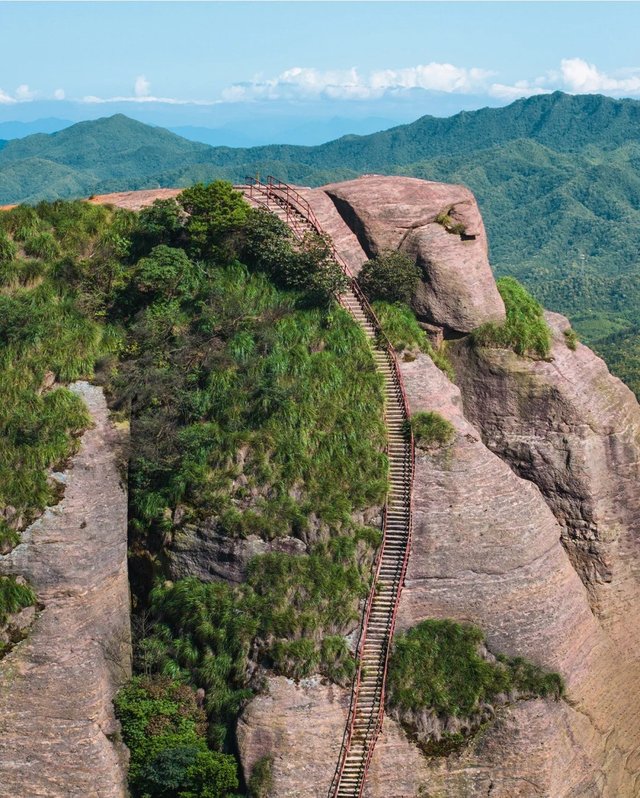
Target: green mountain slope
[{"x": 557, "y": 178}]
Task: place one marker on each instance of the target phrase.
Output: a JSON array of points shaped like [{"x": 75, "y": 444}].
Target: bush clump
[
  {"x": 165, "y": 730},
  {"x": 441, "y": 669},
  {"x": 571, "y": 339},
  {"x": 430, "y": 429},
  {"x": 391, "y": 277},
  {"x": 525, "y": 330}
]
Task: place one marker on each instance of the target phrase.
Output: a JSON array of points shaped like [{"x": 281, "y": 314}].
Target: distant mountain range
[{"x": 557, "y": 178}]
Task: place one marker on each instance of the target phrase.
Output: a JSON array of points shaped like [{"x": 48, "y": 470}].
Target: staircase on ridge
[{"x": 367, "y": 698}]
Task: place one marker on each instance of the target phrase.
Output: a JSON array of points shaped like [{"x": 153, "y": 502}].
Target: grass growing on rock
[
  {"x": 14, "y": 597},
  {"x": 45, "y": 339},
  {"x": 253, "y": 409},
  {"x": 261, "y": 781},
  {"x": 440, "y": 670},
  {"x": 571, "y": 339},
  {"x": 401, "y": 327},
  {"x": 430, "y": 429},
  {"x": 525, "y": 331}
]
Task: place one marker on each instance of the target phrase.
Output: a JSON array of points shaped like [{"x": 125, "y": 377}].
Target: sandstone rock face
[
  {"x": 574, "y": 430},
  {"x": 457, "y": 290},
  {"x": 301, "y": 727},
  {"x": 209, "y": 555},
  {"x": 56, "y": 717},
  {"x": 487, "y": 549}
]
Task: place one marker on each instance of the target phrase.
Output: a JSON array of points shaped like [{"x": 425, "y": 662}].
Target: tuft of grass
[
  {"x": 14, "y": 597},
  {"x": 571, "y": 339},
  {"x": 525, "y": 331},
  {"x": 261, "y": 781},
  {"x": 441, "y": 667},
  {"x": 430, "y": 429},
  {"x": 450, "y": 225},
  {"x": 401, "y": 327}
]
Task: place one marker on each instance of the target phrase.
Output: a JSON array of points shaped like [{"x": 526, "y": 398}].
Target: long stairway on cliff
[{"x": 366, "y": 709}]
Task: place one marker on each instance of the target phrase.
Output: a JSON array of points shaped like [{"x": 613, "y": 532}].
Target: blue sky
[{"x": 280, "y": 64}]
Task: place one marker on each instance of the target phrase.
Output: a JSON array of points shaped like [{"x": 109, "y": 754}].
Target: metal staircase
[{"x": 366, "y": 709}]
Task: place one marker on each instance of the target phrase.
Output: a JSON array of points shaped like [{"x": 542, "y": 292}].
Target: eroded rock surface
[
  {"x": 437, "y": 224},
  {"x": 573, "y": 429},
  {"x": 210, "y": 555},
  {"x": 57, "y": 727},
  {"x": 300, "y": 726},
  {"x": 487, "y": 550}
]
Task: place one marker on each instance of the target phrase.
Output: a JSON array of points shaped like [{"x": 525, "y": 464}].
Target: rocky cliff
[
  {"x": 58, "y": 734},
  {"x": 526, "y": 525}
]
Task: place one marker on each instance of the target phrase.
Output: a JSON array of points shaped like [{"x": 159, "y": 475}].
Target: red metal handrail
[{"x": 296, "y": 206}]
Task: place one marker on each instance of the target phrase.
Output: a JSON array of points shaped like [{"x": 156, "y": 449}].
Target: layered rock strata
[
  {"x": 572, "y": 429},
  {"x": 58, "y": 733}
]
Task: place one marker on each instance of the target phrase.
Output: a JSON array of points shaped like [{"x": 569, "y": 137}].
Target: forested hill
[
  {"x": 118, "y": 152},
  {"x": 557, "y": 178}
]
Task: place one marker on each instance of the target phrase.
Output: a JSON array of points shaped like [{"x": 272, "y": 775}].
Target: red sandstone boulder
[{"x": 440, "y": 226}]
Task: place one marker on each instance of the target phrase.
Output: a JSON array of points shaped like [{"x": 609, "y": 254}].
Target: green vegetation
[
  {"x": 14, "y": 597},
  {"x": 525, "y": 330},
  {"x": 254, "y": 403},
  {"x": 431, "y": 430},
  {"x": 391, "y": 277},
  {"x": 261, "y": 781},
  {"x": 401, "y": 327},
  {"x": 439, "y": 666},
  {"x": 290, "y": 615},
  {"x": 571, "y": 339},
  {"x": 555, "y": 177},
  {"x": 45, "y": 338},
  {"x": 449, "y": 223},
  {"x": 164, "y": 729}
]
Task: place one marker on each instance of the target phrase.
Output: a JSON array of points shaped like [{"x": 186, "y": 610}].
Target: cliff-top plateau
[{"x": 262, "y": 459}]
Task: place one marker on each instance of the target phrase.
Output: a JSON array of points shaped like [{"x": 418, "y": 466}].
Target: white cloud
[
  {"x": 59, "y": 94},
  {"x": 433, "y": 77},
  {"x": 580, "y": 77},
  {"x": 141, "y": 87},
  {"x": 92, "y": 99},
  {"x": 521, "y": 88},
  {"x": 349, "y": 84},
  {"x": 24, "y": 93},
  {"x": 6, "y": 99}
]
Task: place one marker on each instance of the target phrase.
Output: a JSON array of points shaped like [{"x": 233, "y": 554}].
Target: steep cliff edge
[
  {"x": 57, "y": 728},
  {"x": 526, "y": 525},
  {"x": 572, "y": 429}
]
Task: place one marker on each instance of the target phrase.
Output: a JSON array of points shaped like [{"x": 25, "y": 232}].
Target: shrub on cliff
[
  {"x": 217, "y": 214},
  {"x": 440, "y": 670},
  {"x": 401, "y": 327},
  {"x": 165, "y": 730},
  {"x": 391, "y": 276},
  {"x": 525, "y": 330}
]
